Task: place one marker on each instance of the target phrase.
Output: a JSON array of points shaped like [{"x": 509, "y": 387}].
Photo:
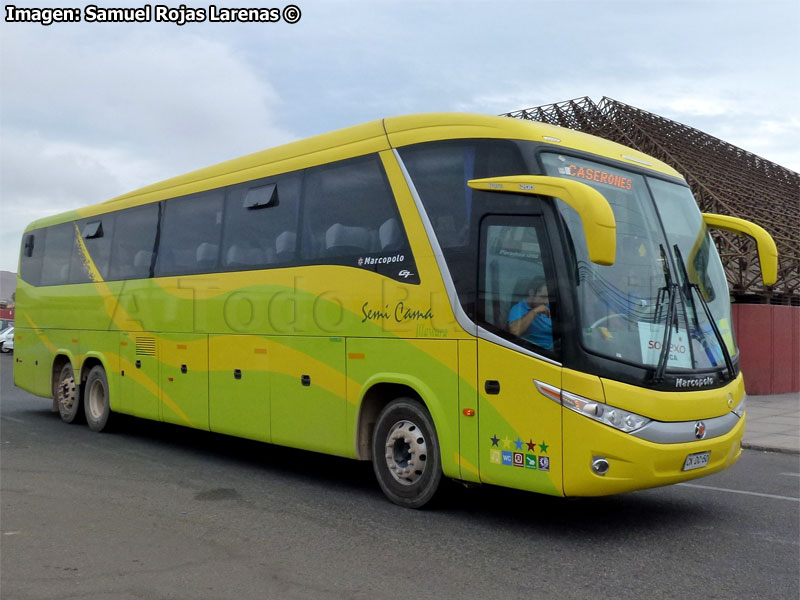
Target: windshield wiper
[
  {"x": 670, "y": 288},
  {"x": 720, "y": 340}
]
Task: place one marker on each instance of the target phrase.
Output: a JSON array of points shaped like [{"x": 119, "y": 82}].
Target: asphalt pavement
[{"x": 158, "y": 511}]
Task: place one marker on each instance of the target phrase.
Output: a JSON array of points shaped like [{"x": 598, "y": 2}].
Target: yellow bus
[{"x": 477, "y": 298}]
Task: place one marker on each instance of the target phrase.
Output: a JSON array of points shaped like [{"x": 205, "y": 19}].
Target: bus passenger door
[
  {"x": 519, "y": 426},
  {"x": 184, "y": 379},
  {"x": 308, "y": 403},
  {"x": 138, "y": 382},
  {"x": 238, "y": 394}
]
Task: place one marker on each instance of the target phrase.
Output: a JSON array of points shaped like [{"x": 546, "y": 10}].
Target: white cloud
[
  {"x": 164, "y": 96},
  {"x": 94, "y": 110},
  {"x": 41, "y": 176},
  {"x": 717, "y": 106},
  {"x": 83, "y": 122}
]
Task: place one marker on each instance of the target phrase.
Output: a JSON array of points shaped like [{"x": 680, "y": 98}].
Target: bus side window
[
  {"x": 345, "y": 206},
  {"x": 515, "y": 295},
  {"x": 439, "y": 172},
  {"x": 134, "y": 242},
  {"x": 58, "y": 249},
  {"x": 190, "y": 234},
  {"x": 30, "y": 266},
  {"x": 259, "y": 234},
  {"x": 97, "y": 233}
]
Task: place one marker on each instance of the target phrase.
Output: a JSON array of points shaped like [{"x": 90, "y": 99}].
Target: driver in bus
[{"x": 530, "y": 318}]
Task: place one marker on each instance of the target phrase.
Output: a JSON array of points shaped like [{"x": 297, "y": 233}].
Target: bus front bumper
[{"x": 634, "y": 463}]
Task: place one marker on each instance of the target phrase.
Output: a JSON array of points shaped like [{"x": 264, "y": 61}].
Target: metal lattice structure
[{"x": 724, "y": 179}]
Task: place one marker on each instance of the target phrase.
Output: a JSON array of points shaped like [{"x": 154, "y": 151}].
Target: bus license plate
[{"x": 696, "y": 461}]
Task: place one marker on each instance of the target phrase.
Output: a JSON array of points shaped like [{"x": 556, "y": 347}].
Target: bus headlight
[{"x": 609, "y": 415}]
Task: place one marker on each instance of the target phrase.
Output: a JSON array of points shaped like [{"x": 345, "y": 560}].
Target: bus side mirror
[
  {"x": 595, "y": 212},
  {"x": 767, "y": 250}
]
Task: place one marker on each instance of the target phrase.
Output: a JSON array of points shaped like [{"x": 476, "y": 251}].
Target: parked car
[{"x": 7, "y": 339}]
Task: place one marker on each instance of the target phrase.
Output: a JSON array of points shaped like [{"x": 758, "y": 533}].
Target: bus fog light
[{"x": 600, "y": 465}]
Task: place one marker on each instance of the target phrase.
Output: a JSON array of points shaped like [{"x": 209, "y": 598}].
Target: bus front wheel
[
  {"x": 405, "y": 453},
  {"x": 67, "y": 397},
  {"x": 95, "y": 400}
]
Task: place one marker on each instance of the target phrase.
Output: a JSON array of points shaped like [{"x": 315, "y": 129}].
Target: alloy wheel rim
[{"x": 406, "y": 452}]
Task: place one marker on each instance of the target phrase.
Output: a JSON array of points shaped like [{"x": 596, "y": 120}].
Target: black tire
[
  {"x": 405, "y": 453},
  {"x": 67, "y": 396},
  {"x": 95, "y": 400}
]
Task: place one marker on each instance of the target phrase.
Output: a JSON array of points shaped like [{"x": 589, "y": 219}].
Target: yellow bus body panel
[{"x": 674, "y": 406}]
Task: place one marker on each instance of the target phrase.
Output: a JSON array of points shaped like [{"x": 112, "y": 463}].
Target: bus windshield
[{"x": 624, "y": 308}]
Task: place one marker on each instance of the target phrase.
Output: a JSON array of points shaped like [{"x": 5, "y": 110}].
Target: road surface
[{"x": 158, "y": 511}]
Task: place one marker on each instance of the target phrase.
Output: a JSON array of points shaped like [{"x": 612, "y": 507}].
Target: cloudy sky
[{"x": 91, "y": 110}]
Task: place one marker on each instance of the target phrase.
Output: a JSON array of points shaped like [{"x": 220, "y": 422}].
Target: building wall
[
  {"x": 769, "y": 343},
  {"x": 8, "y": 285}
]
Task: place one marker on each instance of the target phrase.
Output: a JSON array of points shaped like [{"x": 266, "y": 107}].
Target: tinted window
[
  {"x": 350, "y": 218},
  {"x": 515, "y": 294},
  {"x": 345, "y": 205},
  {"x": 190, "y": 234},
  {"x": 58, "y": 250},
  {"x": 54, "y": 256},
  {"x": 97, "y": 234},
  {"x": 261, "y": 223},
  {"x": 30, "y": 264},
  {"x": 134, "y": 242},
  {"x": 440, "y": 171}
]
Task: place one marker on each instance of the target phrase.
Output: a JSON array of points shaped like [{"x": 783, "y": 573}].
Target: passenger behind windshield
[{"x": 530, "y": 318}]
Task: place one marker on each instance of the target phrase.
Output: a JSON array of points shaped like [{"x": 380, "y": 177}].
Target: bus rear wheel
[
  {"x": 66, "y": 394},
  {"x": 95, "y": 400},
  {"x": 405, "y": 453}
]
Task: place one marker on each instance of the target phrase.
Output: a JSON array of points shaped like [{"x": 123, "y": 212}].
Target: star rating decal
[{"x": 517, "y": 458}]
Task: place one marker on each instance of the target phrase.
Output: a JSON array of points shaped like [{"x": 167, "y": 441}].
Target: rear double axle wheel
[
  {"x": 67, "y": 395},
  {"x": 97, "y": 408},
  {"x": 92, "y": 404}
]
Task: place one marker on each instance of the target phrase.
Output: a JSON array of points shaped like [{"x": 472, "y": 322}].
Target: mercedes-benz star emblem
[{"x": 699, "y": 430}]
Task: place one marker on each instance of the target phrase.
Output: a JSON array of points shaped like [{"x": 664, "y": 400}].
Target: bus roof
[{"x": 362, "y": 139}]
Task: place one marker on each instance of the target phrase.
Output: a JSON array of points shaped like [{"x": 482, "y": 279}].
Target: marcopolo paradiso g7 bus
[{"x": 479, "y": 298}]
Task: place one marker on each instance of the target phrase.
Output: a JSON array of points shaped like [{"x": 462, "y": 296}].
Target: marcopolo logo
[
  {"x": 693, "y": 382},
  {"x": 381, "y": 260}
]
